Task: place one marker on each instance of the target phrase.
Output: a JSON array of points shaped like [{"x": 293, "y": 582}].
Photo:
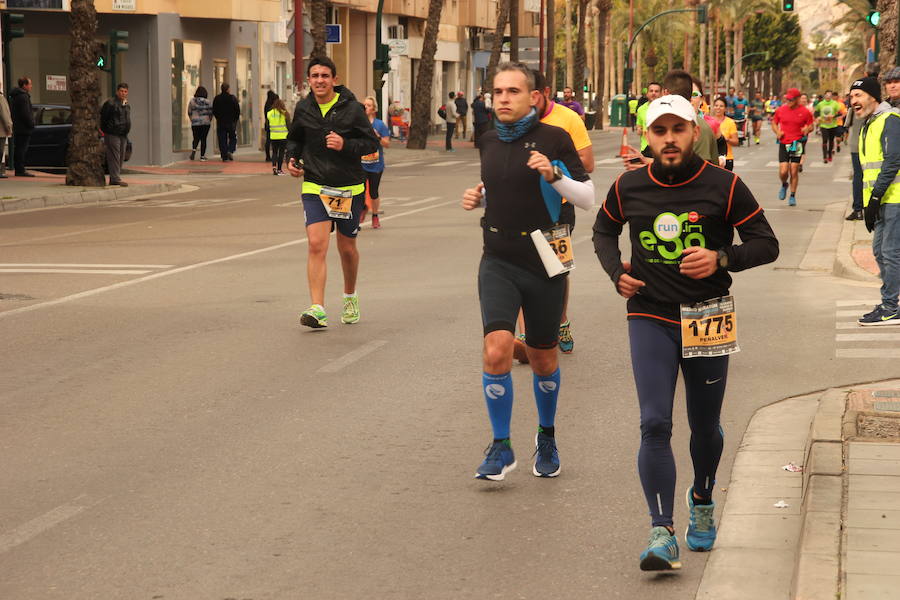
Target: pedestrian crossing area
[
  {"x": 854, "y": 341},
  {"x": 80, "y": 268}
]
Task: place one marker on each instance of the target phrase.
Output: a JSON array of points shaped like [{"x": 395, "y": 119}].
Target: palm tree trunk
[
  {"x": 739, "y": 52},
  {"x": 550, "y": 20},
  {"x": 502, "y": 18},
  {"x": 602, "y": 58},
  {"x": 318, "y": 13},
  {"x": 513, "y": 30},
  {"x": 580, "y": 58},
  {"x": 570, "y": 71},
  {"x": 888, "y": 33},
  {"x": 689, "y": 40},
  {"x": 422, "y": 100},
  {"x": 85, "y": 162},
  {"x": 701, "y": 62},
  {"x": 728, "y": 58}
]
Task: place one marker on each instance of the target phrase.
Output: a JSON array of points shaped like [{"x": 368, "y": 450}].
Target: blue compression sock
[
  {"x": 546, "y": 391},
  {"x": 498, "y": 394}
]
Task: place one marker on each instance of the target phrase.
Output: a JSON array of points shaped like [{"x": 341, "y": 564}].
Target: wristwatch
[
  {"x": 557, "y": 174},
  {"x": 722, "y": 259}
]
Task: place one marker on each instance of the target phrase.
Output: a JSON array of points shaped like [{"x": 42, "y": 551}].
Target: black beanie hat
[{"x": 869, "y": 85}]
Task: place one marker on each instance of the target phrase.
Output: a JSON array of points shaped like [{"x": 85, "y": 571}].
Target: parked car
[{"x": 50, "y": 138}]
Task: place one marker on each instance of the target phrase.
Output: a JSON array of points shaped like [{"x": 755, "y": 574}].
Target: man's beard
[{"x": 668, "y": 169}]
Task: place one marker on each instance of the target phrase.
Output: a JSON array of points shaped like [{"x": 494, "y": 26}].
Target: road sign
[{"x": 333, "y": 34}]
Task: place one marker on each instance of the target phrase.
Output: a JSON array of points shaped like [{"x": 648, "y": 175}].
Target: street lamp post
[{"x": 737, "y": 62}]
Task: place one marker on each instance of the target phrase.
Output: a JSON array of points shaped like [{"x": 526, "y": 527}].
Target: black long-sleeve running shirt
[{"x": 700, "y": 205}]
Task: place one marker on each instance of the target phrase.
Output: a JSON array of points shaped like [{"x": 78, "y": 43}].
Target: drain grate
[
  {"x": 887, "y": 394},
  {"x": 888, "y": 406}
]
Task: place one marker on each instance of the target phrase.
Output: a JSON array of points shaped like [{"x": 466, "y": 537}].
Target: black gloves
[{"x": 871, "y": 212}]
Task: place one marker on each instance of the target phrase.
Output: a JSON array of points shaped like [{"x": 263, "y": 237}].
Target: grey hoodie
[{"x": 890, "y": 144}]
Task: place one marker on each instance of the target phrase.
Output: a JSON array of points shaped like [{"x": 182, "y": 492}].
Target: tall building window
[{"x": 185, "y": 80}]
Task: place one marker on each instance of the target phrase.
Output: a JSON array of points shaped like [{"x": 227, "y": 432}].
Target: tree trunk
[
  {"x": 738, "y": 53},
  {"x": 318, "y": 13},
  {"x": 580, "y": 58},
  {"x": 513, "y": 30},
  {"x": 497, "y": 46},
  {"x": 570, "y": 71},
  {"x": 638, "y": 65},
  {"x": 701, "y": 61},
  {"x": 711, "y": 58},
  {"x": 728, "y": 59},
  {"x": 602, "y": 89},
  {"x": 551, "y": 44},
  {"x": 85, "y": 154},
  {"x": 422, "y": 100},
  {"x": 689, "y": 39},
  {"x": 887, "y": 54}
]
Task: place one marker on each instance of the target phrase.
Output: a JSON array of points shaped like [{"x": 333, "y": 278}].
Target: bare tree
[
  {"x": 318, "y": 14},
  {"x": 497, "y": 46},
  {"x": 421, "y": 104},
  {"x": 85, "y": 155}
]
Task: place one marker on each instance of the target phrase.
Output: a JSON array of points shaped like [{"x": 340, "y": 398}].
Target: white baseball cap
[{"x": 671, "y": 105}]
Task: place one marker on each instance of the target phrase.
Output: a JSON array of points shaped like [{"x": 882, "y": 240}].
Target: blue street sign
[{"x": 333, "y": 34}]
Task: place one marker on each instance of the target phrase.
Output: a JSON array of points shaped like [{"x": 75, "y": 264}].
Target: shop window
[
  {"x": 185, "y": 81},
  {"x": 244, "y": 91}
]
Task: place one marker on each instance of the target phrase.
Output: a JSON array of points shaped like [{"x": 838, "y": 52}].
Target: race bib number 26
[{"x": 709, "y": 328}]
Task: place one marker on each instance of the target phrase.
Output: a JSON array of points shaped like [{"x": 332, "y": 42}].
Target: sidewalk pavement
[{"x": 813, "y": 507}]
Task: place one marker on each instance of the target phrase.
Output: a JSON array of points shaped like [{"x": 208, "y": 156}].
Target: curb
[
  {"x": 85, "y": 196},
  {"x": 817, "y": 566},
  {"x": 844, "y": 265}
]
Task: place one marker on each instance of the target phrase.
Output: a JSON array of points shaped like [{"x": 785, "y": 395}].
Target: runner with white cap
[{"x": 682, "y": 213}]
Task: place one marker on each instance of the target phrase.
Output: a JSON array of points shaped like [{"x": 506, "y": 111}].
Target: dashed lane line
[
  {"x": 352, "y": 356},
  {"x": 39, "y": 525}
]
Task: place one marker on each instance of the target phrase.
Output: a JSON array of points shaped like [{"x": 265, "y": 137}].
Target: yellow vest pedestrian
[{"x": 871, "y": 156}]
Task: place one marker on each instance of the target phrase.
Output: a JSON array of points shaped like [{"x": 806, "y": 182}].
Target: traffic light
[
  {"x": 118, "y": 41},
  {"x": 787, "y": 5},
  {"x": 12, "y": 26},
  {"x": 381, "y": 64},
  {"x": 873, "y": 18},
  {"x": 701, "y": 14}
]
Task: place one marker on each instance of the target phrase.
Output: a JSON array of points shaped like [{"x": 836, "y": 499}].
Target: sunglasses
[{"x": 695, "y": 94}]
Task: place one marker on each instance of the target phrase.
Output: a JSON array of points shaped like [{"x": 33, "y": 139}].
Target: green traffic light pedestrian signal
[
  {"x": 787, "y": 5},
  {"x": 101, "y": 62},
  {"x": 873, "y": 18}
]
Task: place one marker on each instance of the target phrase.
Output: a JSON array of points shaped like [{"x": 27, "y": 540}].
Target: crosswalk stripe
[
  {"x": 867, "y": 353},
  {"x": 847, "y": 313},
  {"x": 608, "y": 161},
  {"x": 881, "y": 341},
  {"x": 408, "y": 163},
  {"x": 422, "y": 201},
  {"x": 446, "y": 163},
  {"x": 867, "y": 302},
  {"x": 867, "y": 337}
]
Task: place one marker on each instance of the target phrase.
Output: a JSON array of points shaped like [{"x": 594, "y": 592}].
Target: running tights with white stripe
[{"x": 655, "y": 359}]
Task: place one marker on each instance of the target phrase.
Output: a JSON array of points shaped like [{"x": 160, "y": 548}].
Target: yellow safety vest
[
  {"x": 871, "y": 155},
  {"x": 277, "y": 125}
]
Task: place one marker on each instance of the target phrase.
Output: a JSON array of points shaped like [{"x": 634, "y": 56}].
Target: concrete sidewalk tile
[
  {"x": 868, "y": 466},
  {"x": 868, "y": 562},
  {"x": 868, "y": 587},
  {"x": 760, "y": 505},
  {"x": 825, "y": 458},
  {"x": 821, "y": 534},
  {"x": 772, "y": 474},
  {"x": 874, "y": 500},
  {"x": 874, "y": 451},
  {"x": 767, "y": 441},
  {"x": 760, "y": 489},
  {"x": 827, "y": 423},
  {"x": 824, "y": 494},
  {"x": 755, "y": 457},
  {"x": 742, "y": 574},
  {"x": 765, "y": 531},
  {"x": 816, "y": 577},
  {"x": 875, "y": 540},
  {"x": 873, "y": 519},
  {"x": 873, "y": 483}
]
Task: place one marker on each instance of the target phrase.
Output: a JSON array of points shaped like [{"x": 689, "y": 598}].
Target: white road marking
[
  {"x": 186, "y": 203},
  {"x": 847, "y": 324},
  {"x": 206, "y": 263},
  {"x": 445, "y": 163},
  {"x": 847, "y": 313},
  {"x": 352, "y": 356},
  {"x": 867, "y": 353},
  {"x": 422, "y": 201},
  {"x": 291, "y": 203},
  {"x": 853, "y": 302},
  {"x": 867, "y": 337},
  {"x": 740, "y": 163},
  {"x": 608, "y": 161},
  {"x": 400, "y": 165},
  {"x": 38, "y": 525},
  {"x": 86, "y": 266},
  {"x": 80, "y": 271}
]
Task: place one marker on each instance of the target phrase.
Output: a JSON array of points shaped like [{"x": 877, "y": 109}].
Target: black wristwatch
[
  {"x": 722, "y": 259},
  {"x": 557, "y": 174}
]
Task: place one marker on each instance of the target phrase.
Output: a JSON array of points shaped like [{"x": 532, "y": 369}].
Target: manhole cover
[
  {"x": 887, "y": 394},
  {"x": 15, "y": 297},
  {"x": 891, "y": 406}
]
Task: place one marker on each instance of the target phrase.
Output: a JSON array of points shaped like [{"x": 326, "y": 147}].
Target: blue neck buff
[{"x": 510, "y": 132}]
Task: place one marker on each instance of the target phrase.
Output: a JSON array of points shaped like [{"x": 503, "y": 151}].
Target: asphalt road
[{"x": 169, "y": 430}]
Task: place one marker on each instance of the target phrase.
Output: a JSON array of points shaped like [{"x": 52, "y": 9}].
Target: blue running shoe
[
  {"x": 792, "y": 201},
  {"x": 662, "y": 551},
  {"x": 701, "y": 533},
  {"x": 546, "y": 458},
  {"x": 498, "y": 461},
  {"x": 782, "y": 193}
]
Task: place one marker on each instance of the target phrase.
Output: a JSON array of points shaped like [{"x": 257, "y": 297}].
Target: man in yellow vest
[{"x": 879, "y": 154}]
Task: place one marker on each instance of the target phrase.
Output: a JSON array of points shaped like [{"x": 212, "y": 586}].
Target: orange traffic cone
[{"x": 624, "y": 149}]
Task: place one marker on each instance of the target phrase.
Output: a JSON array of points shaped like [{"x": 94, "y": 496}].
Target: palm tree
[
  {"x": 890, "y": 12},
  {"x": 318, "y": 14},
  {"x": 421, "y": 104},
  {"x": 580, "y": 54},
  {"x": 85, "y": 153},
  {"x": 497, "y": 45},
  {"x": 604, "y": 6},
  {"x": 551, "y": 45}
]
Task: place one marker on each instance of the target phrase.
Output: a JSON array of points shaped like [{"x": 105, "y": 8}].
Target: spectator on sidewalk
[
  {"x": 227, "y": 111},
  {"x": 115, "y": 123},
  {"x": 462, "y": 110},
  {"x": 452, "y": 115},
  {"x": 879, "y": 154},
  {"x": 891, "y": 80},
  {"x": 482, "y": 117},
  {"x": 271, "y": 97},
  {"x": 23, "y": 124},
  {"x": 6, "y": 130},
  {"x": 200, "y": 114}
]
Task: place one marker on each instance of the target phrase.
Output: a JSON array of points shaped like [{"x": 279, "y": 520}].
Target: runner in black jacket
[
  {"x": 681, "y": 214},
  {"x": 329, "y": 134}
]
